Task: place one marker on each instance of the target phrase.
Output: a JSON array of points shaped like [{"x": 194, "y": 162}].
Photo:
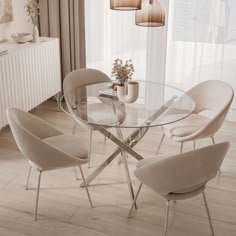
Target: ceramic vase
[
  {"x": 128, "y": 93},
  {"x": 35, "y": 34}
]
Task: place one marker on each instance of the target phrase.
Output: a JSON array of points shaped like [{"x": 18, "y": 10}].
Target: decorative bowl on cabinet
[{"x": 22, "y": 37}]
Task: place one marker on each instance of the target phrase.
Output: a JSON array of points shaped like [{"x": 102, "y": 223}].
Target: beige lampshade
[
  {"x": 152, "y": 14},
  {"x": 125, "y": 5}
]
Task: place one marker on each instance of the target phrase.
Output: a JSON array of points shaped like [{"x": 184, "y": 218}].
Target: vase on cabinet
[{"x": 35, "y": 34}]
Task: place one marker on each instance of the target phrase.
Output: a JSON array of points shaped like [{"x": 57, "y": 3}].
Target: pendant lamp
[
  {"x": 152, "y": 14},
  {"x": 125, "y": 5}
]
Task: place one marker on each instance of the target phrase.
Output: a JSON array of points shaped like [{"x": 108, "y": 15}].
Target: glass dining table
[{"x": 98, "y": 106}]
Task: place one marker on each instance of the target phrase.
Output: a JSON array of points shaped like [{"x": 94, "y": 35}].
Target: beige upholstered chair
[
  {"x": 181, "y": 176},
  {"x": 45, "y": 147},
  {"x": 215, "y": 96},
  {"x": 78, "y": 78}
]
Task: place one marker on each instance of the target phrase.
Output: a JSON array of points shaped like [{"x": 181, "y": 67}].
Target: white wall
[{"x": 19, "y": 23}]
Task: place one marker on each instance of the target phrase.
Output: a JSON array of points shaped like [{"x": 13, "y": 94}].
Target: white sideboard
[{"x": 29, "y": 75}]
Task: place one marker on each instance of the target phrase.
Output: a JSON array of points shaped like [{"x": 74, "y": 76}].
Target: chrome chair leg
[
  {"x": 159, "y": 146},
  {"x": 181, "y": 147},
  {"x": 90, "y": 147},
  {"x": 27, "y": 182},
  {"x": 167, "y": 217},
  {"x": 135, "y": 199},
  {"x": 213, "y": 140},
  {"x": 208, "y": 213},
  {"x": 86, "y": 187},
  {"x": 75, "y": 171},
  {"x": 37, "y": 198}
]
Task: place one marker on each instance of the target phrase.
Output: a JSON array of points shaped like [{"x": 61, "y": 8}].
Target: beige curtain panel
[{"x": 65, "y": 20}]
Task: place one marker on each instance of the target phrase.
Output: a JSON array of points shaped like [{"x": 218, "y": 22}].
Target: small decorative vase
[
  {"x": 128, "y": 94},
  {"x": 35, "y": 34}
]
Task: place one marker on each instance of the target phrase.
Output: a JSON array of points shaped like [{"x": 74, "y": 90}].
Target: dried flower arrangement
[
  {"x": 122, "y": 71},
  {"x": 32, "y": 10}
]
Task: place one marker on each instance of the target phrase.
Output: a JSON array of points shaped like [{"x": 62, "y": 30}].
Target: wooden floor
[{"x": 64, "y": 208}]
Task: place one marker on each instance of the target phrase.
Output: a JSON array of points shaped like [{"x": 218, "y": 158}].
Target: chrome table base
[{"x": 127, "y": 144}]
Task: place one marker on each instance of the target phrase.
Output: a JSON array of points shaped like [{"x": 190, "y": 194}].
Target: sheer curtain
[
  {"x": 201, "y": 43},
  {"x": 113, "y": 34},
  {"x": 197, "y": 43}
]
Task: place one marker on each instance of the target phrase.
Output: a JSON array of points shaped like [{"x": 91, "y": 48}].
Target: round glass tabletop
[{"x": 157, "y": 104}]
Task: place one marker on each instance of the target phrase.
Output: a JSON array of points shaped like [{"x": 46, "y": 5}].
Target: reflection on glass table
[{"x": 98, "y": 105}]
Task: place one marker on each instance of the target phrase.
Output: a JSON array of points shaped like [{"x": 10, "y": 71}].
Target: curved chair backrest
[
  {"x": 212, "y": 95},
  {"x": 29, "y": 132},
  {"x": 185, "y": 172},
  {"x": 77, "y": 79},
  {"x": 83, "y": 77}
]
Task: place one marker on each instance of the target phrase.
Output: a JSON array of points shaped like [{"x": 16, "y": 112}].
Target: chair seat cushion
[
  {"x": 70, "y": 144},
  {"x": 107, "y": 117},
  {"x": 95, "y": 113},
  {"x": 187, "y": 126},
  {"x": 187, "y": 193}
]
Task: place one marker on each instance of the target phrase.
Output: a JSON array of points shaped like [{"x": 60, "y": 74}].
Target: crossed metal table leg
[{"x": 125, "y": 146}]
